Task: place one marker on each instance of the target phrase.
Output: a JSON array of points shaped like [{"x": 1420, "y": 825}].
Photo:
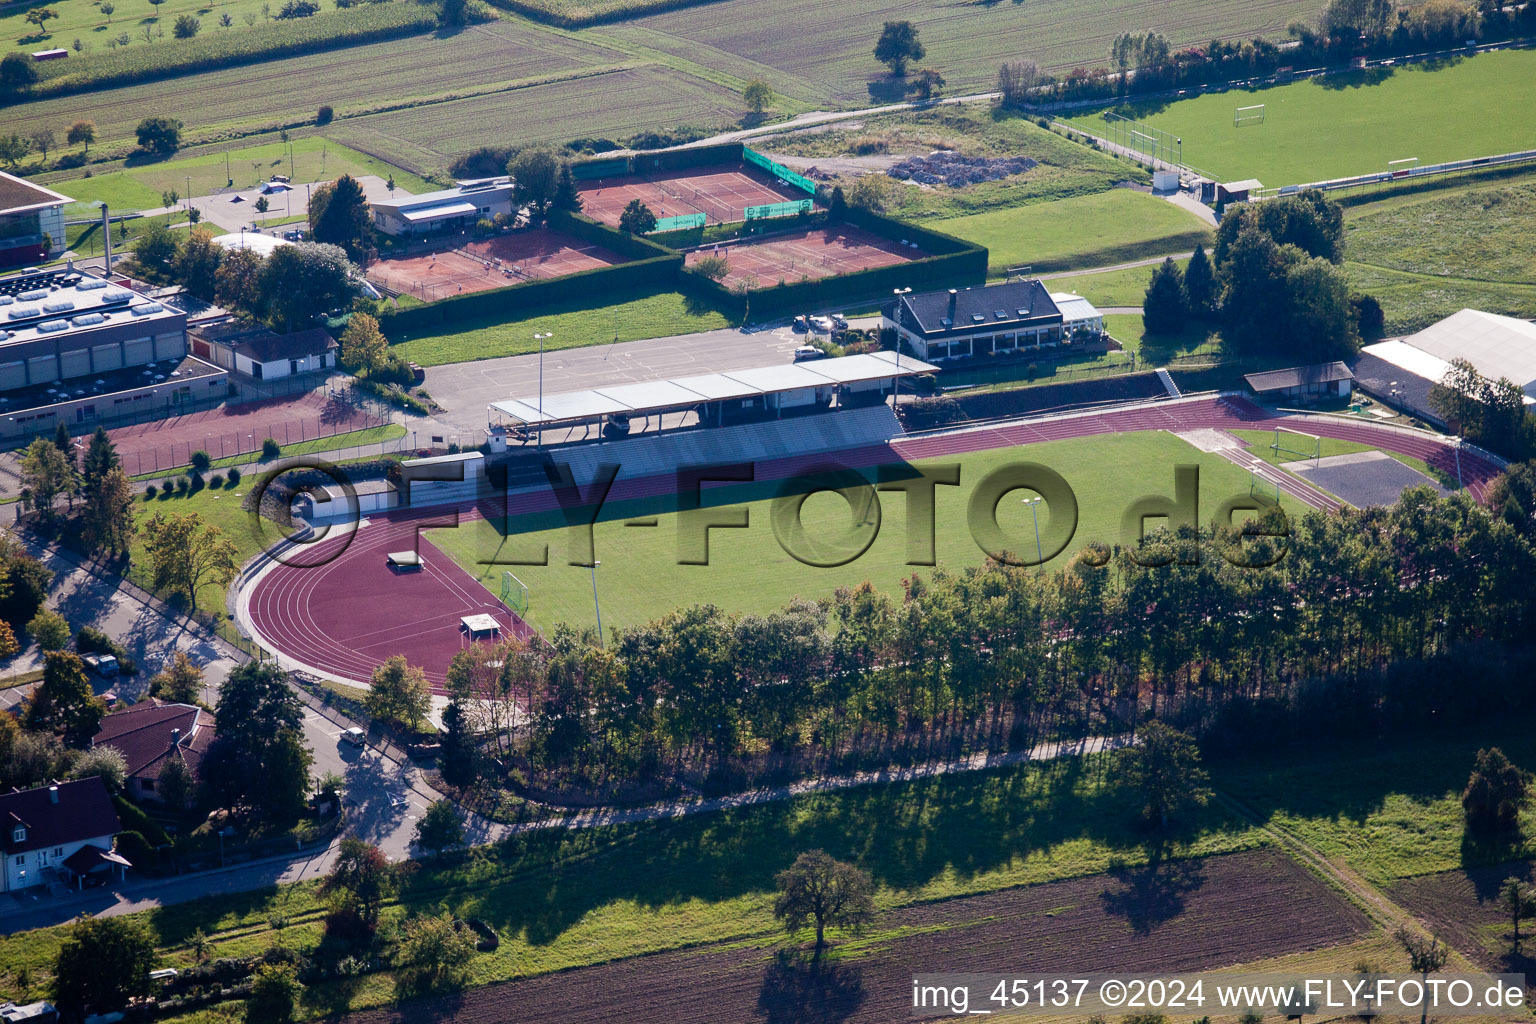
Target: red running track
[{"x": 348, "y": 615}]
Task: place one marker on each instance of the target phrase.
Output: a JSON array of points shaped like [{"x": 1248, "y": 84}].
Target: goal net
[
  {"x": 1248, "y": 115},
  {"x": 514, "y": 593}
]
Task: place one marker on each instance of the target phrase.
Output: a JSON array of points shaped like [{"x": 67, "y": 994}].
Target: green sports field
[
  {"x": 1355, "y": 123},
  {"x": 640, "y": 578},
  {"x": 1085, "y": 231}
]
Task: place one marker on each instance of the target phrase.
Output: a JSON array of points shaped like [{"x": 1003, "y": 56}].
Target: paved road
[{"x": 464, "y": 389}]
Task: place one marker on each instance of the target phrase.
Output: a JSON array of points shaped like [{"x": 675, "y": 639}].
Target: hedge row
[
  {"x": 210, "y": 50},
  {"x": 681, "y": 159},
  {"x": 555, "y": 12},
  {"x": 650, "y": 264}
]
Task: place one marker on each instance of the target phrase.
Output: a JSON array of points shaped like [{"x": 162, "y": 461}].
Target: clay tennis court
[
  {"x": 819, "y": 252},
  {"x": 722, "y": 194},
  {"x": 491, "y": 263}
]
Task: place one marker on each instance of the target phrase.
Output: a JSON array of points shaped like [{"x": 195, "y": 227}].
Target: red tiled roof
[
  {"x": 142, "y": 734},
  {"x": 83, "y": 811}
]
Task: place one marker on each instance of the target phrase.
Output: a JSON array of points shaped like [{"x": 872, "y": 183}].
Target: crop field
[
  {"x": 1355, "y": 123},
  {"x": 820, "y": 53},
  {"x": 1168, "y": 918},
  {"x": 749, "y": 572},
  {"x": 1110, "y": 227},
  {"x": 222, "y": 104},
  {"x": 654, "y": 98},
  {"x": 1462, "y": 905}
]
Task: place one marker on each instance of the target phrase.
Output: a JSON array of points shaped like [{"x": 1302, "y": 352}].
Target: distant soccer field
[
  {"x": 1355, "y": 123},
  {"x": 640, "y": 578}
]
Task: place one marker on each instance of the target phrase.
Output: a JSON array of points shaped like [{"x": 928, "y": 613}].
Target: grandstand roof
[{"x": 682, "y": 392}]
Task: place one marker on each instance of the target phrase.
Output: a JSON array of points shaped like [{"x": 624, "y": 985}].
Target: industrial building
[
  {"x": 1401, "y": 371},
  {"x": 460, "y": 206},
  {"x": 31, "y": 221},
  {"x": 82, "y": 349},
  {"x": 1016, "y": 318}
]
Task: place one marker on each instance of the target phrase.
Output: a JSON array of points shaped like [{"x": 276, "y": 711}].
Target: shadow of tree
[
  {"x": 1150, "y": 896},
  {"x": 796, "y": 991}
]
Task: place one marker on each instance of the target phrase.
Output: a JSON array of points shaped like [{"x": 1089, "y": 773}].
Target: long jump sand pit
[
  {"x": 721, "y": 193},
  {"x": 491, "y": 263},
  {"x": 818, "y": 252}
]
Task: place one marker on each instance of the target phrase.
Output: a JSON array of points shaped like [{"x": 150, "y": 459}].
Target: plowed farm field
[
  {"x": 1176, "y": 916},
  {"x": 1462, "y": 906}
]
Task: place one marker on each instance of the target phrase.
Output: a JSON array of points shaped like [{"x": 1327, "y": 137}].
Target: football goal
[
  {"x": 514, "y": 593},
  {"x": 1278, "y": 445},
  {"x": 1248, "y": 115}
]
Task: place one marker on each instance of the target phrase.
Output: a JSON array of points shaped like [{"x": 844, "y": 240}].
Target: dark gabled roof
[
  {"x": 84, "y": 811},
  {"x": 1298, "y": 376},
  {"x": 19, "y": 194},
  {"x": 142, "y": 734},
  {"x": 1011, "y": 304},
  {"x": 265, "y": 346}
]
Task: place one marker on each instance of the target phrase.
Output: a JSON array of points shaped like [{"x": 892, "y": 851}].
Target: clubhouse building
[{"x": 1017, "y": 318}]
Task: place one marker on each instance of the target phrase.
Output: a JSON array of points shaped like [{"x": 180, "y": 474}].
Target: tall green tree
[
  {"x": 1163, "y": 310},
  {"x": 898, "y": 46},
  {"x": 637, "y": 218},
  {"x": 196, "y": 264},
  {"x": 1164, "y": 767},
  {"x": 758, "y": 95},
  {"x": 63, "y": 702},
  {"x": 303, "y": 280},
  {"x": 46, "y": 475},
  {"x": 399, "y": 693},
  {"x": 566, "y": 195},
  {"x": 823, "y": 892},
  {"x": 155, "y": 253},
  {"x": 1200, "y": 285},
  {"x": 535, "y": 180},
  {"x": 1518, "y": 900},
  {"x": 360, "y": 881},
  {"x": 440, "y": 827},
  {"x": 187, "y": 555},
  {"x": 103, "y": 964},
  {"x": 259, "y": 758},
  {"x": 108, "y": 524},
  {"x": 1496, "y": 793},
  {"x": 159, "y": 135},
  {"x": 363, "y": 346},
  {"x": 339, "y": 215}
]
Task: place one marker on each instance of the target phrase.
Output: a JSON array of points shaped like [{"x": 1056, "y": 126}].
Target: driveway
[{"x": 465, "y": 389}]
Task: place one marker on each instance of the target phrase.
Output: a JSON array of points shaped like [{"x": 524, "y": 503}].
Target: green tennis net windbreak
[{"x": 778, "y": 170}]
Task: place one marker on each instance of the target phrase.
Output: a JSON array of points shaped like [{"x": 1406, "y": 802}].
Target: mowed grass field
[
  {"x": 627, "y": 316},
  {"x": 314, "y": 158},
  {"x": 749, "y": 572},
  {"x": 1355, "y": 123},
  {"x": 1109, "y": 227}
]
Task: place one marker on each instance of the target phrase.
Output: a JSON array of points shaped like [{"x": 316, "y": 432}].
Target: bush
[
  {"x": 183, "y": 485},
  {"x": 149, "y": 493},
  {"x": 216, "y": 482},
  {"x": 234, "y": 477},
  {"x": 198, "y": 483},
  {"x": 325, "y": 115},
  {"x": 186, "y": 26},
  {"x": 138, "y": 851},
  {"x": 299, "y": 9},
  {"x": 201, "y": 461},
  {"x": 49, "y": 629},
  {"x": 168, "y": 484},
  {"x": 270, "y": 449}
]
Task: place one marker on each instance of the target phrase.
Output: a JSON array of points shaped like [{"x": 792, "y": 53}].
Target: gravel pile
[{"x": 957, "y": 171}]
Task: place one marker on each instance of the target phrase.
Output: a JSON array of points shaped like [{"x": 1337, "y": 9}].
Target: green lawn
[
  {"x": 1195, "y": 339},
  {"x": 1426, "y": 255},
  {"x": 219, "y": 508},
  {"x": 749, "y": 571},
  {"x": 1109, "y": 287},
  {"x": 84, "y": 21},
  {"x": 562, "y": 900},
  {"x": 85, "y": 239},
  {"x": 314, "y": 158},
  {"x": 1355, "y": 123},
  {"x": 1389, "y": 809},
  {"x": 630, "y": 315},
  {"x": 1109, "y": 227}
]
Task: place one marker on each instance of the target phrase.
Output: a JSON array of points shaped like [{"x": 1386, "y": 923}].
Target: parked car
[
  {"x": 822, "y": 324},
  {"x": 103, "y": 665},
  {"x": 839, "y": 321},
  {"x": 355, "y": 736},
  {"x": 802, "y": 323},
  {"x": 806, "y": 353}
]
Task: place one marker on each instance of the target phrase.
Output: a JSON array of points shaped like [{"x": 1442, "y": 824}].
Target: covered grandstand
[{"x": 718, "y": 399}]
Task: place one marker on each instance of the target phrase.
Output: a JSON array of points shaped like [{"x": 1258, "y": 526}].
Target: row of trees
[
  {"x": 1488, "y": 412},
  {"x": 1002, "y": 655}
]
